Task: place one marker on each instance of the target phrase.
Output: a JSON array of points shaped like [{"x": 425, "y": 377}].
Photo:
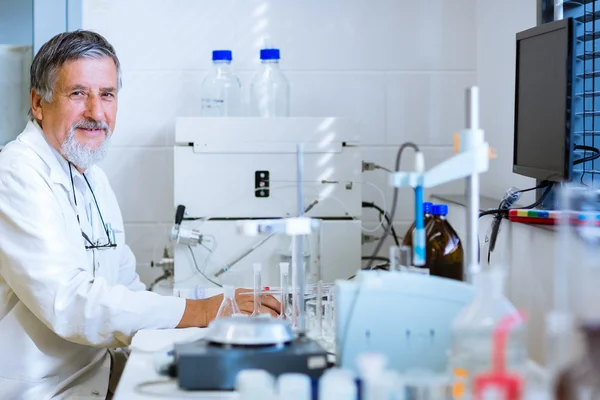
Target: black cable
[
  {"x": 506, "y": 210},
  {"x": 377, "y": 258},
  {"x": 344, "y": 337},
  {"x": 367, "y": 204},
  {"x": 382, "y": 267},
  {"x": 593, "y": 157},
  {"x": 198, "y": 269}
]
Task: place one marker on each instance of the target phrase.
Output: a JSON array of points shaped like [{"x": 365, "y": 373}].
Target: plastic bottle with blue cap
[
  {"x": 269, "y": 89},
  {"x": 221, "y": 89}
]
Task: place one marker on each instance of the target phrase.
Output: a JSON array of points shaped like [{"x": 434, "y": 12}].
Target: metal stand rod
[
  {"x": 472, "y": 190},
  {"x": 298, "y": 253}
]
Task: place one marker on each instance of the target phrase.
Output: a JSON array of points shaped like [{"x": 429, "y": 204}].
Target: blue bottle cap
[
  {"x": 440, "y": 209},
  {"x": 427, "y": 206},
  {"x": 269, "y": 54},
  {"x": 218, "y": 55}
]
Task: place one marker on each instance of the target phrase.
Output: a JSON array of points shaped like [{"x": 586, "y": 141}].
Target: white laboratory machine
[{"x": 228, "y": 170}]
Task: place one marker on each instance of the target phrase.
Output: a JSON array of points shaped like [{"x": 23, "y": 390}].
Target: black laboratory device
[
  {"x": 237, "y": 343},
  {"x": 544, "y": 89}
]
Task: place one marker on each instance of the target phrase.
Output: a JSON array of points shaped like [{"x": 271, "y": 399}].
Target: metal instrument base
[{"x": 202, "y": 365}]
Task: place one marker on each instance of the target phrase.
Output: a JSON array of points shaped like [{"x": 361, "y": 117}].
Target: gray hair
[{"x": 62, "y": 48}]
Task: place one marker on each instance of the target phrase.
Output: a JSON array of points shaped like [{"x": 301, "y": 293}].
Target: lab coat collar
[{"x": 34, "y": 137}]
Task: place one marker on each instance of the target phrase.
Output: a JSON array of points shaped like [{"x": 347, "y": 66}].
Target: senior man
[{"x": 69, "y": 290}]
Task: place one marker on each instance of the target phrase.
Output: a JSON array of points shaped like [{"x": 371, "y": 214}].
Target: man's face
[{"x": 83, "y": 110}]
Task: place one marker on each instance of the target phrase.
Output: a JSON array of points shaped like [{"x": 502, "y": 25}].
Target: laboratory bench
[
  {"x": 526, "y": 250},
  {"x": 141, "y": 381}
]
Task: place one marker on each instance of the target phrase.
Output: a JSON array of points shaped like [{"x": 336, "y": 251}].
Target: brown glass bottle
[
  {"x": 582, "y": 380},
  {"x": 444, "y": 253},
  {"x": 408, "y": 236}
]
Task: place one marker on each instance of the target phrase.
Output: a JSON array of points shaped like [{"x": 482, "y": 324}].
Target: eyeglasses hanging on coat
[{"x": 111, "y": 242}]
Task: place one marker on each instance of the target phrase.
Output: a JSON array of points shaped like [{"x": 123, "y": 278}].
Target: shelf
[
  {"x": 589, "y": 55},
  {"x": 576, "y": 3},
  {"x": 587, "y": 36},
  {"x": 588, "y": 75},
  {"x": 587, "y": 171},
  {"x": 589, "y": 94},
  {"x": 587, "y": 133},
  {"x": 589, "y": 16},
  {"x": 594, "y": 113}
]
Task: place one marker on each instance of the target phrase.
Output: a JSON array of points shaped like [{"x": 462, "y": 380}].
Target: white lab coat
[{"x": 62, "y": 306}]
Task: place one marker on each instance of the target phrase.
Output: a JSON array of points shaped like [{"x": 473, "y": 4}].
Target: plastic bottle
[
  {"x": 221, "y": 89},
  {"x": 427, "y": 207},
  {"x": 581, "y": 381},
  {"x": 372, "y": 369},
  {"x": 445, "y": 255},
  {"x": 294, "y": 387},
  {"x": 337, "y": 384},
  {"x": 269, "y": 89},
  {"x": 253, "y": 384},
  {"x": 229, "y": 306},
  {"x": 498, "y": 383},
  {"x": 473, "y": 331}
]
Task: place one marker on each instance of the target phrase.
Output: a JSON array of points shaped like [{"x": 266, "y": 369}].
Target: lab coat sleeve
[
  {"x": 128, "y": 275},
  {"x": 38, "y": 263}
]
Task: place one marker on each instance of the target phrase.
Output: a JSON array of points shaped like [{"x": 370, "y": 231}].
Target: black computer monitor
[{"x": 543, "y": 96}]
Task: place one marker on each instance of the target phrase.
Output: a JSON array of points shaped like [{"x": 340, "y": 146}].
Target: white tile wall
[
  {"x": 426, "y": 108},
  {"x": 399, "y": 67},
  {"x": 497, "y": 24}
]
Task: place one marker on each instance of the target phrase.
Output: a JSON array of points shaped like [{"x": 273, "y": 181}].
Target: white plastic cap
[
  {"x": 337, "y": 384},
  {"x": 370, "y": 364},
  {"x": 294, "y": 387},
  {"x": 419, "y": 162},
  {"x": 284, "y": 267},
  {"x": 255, "y": 384}
]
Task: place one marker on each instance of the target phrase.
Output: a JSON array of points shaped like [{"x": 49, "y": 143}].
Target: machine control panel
[{"x": 261, "y": 184}]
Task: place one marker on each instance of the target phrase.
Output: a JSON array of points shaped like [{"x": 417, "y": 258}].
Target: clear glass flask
[
  {"x": 472, "y": 334},
  {"x": 229, "y": 306}
]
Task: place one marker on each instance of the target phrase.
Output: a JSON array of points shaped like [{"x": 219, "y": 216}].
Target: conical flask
[{"x": 229, "y": 306}]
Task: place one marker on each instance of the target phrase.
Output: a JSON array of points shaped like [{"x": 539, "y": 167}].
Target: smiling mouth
[{"x": 92, "y": 131}]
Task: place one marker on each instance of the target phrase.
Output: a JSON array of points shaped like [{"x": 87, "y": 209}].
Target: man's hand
[
  {"x": 199, "y": 313},
  {"x": 245, "y": 300}
]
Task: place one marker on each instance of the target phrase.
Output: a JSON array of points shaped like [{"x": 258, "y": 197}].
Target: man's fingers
[
  {"x": 271, "y": 302},
  {"x": 267, "y": 310}
]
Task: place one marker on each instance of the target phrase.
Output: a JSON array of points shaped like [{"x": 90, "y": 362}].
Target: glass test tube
[
  {"x": 400, "y": 258},
  {"x": 319, "y": 310},
  {"x": 257, "y": 290},
  {"x": 284, "y": 282}
]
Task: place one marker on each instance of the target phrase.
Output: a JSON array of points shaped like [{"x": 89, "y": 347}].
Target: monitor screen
[{"x": 543, "y": 92}]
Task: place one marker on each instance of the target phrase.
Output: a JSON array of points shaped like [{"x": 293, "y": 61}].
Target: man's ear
[{"x": 36, "y": 105}]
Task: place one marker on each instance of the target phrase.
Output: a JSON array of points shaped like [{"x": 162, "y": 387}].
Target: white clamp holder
[
  {"x": 472, "y": 158},
  {"x": 288, "y": 226}
]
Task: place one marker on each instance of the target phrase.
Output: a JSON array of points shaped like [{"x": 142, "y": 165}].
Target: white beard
[{"x": 80, "y": 155}]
